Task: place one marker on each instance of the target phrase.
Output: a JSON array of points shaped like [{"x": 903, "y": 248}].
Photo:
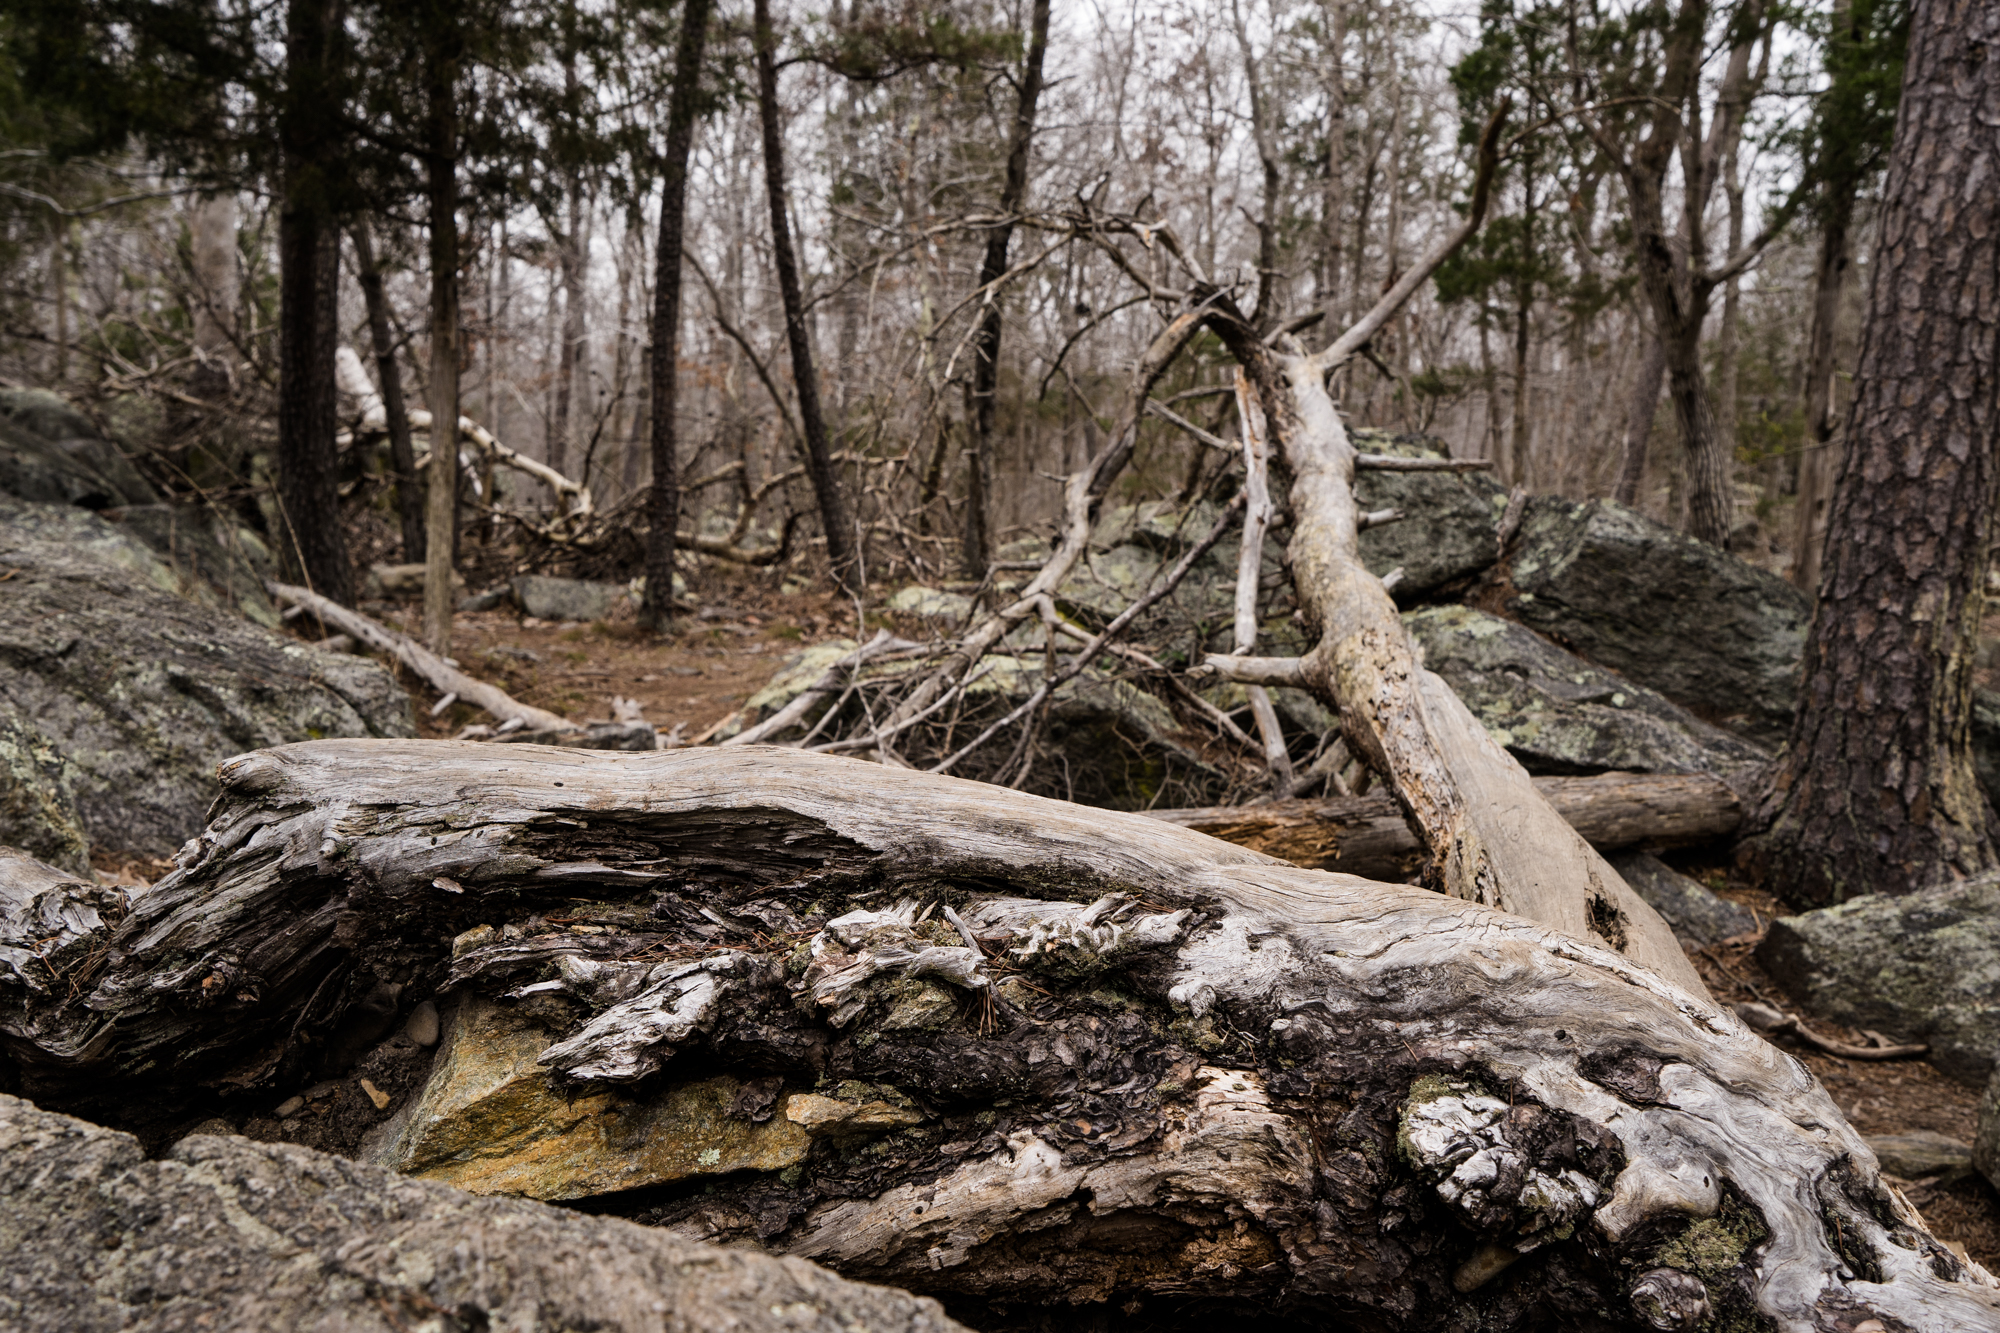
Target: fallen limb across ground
[
  {"x": 1016, "y": 1053},
  {"x": 1368, "y": 836}
]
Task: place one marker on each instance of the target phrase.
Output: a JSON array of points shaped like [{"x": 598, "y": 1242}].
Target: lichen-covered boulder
[
  {"x": 1450, "y": 524},
  {"x": 1922, "y": 968},
  {"x": 224, "y": 1233},
  {"x": 1557, "y": 713},
  {"x": 144, "y": 690},
  {"x": 51, "y": 454},
  {"x": 1709, "y": 631},
  {"x": 38, "y": 811}
]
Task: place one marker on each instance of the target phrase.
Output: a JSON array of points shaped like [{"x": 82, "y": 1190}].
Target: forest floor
[{"x": 712, "y": 661}]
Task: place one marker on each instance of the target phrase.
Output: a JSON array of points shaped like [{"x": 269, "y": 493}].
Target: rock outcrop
[
  {"x": 1557, "y": 713},
  {"x": 1924, "y": 968},
  {"x": 142, "y": 690},
  {"x": 224, "y": 1233},
  {"x": 51, "y": 454},
  {"x": 1706, "y": 629}
]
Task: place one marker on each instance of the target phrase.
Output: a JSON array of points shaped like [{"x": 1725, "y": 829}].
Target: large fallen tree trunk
[
  {"x": 1368, "y": 836},
  {"x": 1008, "y": 1051}
]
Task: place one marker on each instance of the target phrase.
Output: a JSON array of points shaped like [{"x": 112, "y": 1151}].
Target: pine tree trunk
[
  {"x": 1836, "y": 262},
  {"x": 663, "y": 504},
  {"x": 835, "y": 520},
  {"x": 1876, "y": 791},
  {"x": 986, "y": 343},
  {"x": 313, "y": 546}
]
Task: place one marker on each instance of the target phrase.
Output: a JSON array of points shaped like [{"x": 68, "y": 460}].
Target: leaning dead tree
[
  {"x": 1025, "y": 1056},
  {"x": 1489, "y": 836}
]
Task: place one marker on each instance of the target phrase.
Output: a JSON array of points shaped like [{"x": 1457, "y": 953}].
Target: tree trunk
[
  {"x": 1876, "y": 791},
  {"x": 663, "y": 504},
  {"x": 986, "y": 343},
  {"x": 441, "y": 492},
  {"x": 570, "y": 255},
  {"x": 1830, "y": 278},
  {"x": 1639, "y": 420},
  {"x": 213, "y": 264},
  {"x": 1368, "y": 836},
  {"x": 313, "y": 544},
  {"x": 841, "y": 549},
  {"x": 994, "y": 1048},
  {"x": 389, "y": 374}
]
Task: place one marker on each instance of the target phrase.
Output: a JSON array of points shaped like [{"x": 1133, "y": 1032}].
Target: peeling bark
[{"x": 1146, "y": 1067}]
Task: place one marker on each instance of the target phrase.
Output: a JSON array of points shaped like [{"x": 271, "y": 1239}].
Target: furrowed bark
[
  {"x": 1367, "y": 835},
  {"x": 1876, "y": 791},
  {"x": 1153, "y": 1072}
]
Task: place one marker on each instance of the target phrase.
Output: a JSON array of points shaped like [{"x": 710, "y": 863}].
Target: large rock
[
  {"x": 145, "y": 691},
  {"x": 50, "y": 453},
  {"x": 567, "y": 599},
  {"x": 1557, "y": 713},
  {"x": 1451, "y": 521},
  {"x": 38, "y": 810},
  {"x": 1920, "y": 968},
  {"x": 1709, "y": 631},
  {"x": 1699, "y": 917},
  {"x": 224, "y": 1233}
]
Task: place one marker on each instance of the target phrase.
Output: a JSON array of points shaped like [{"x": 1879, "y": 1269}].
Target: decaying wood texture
[
  {"x": 445, "y": 678},
  {"x": 1042, "y": 1055},
  {"x": 1367, "y": 835}
]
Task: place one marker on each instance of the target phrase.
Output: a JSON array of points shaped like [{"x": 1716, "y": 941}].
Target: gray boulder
[
  {"x": 567, "y": 599},
  {"x": 224, "y": 1233},
  {"x": 1923, "y": 1154},
  {"x": 1699, "y": 917},
  {"x": 144, "y": 690},
  {"x": 1922, "y": 968},
  {"x": 50, "y": 453},
  {"x": 1557, "y": 713},
  {"x": 1709, "y": 631},
  {"x": 1451, "y": 519}
]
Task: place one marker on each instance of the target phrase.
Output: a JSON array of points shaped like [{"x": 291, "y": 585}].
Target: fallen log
[
  {"x": 443, "y": 677},
  {"x": 1024, "y": 1056},
  {"x": 1368, "y": 836}
]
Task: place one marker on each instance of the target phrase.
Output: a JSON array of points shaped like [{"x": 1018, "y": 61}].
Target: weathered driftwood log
[
  {"x": 221, "y": 1233},
  {"x": 1368, "y": 836},
  {"x": 1004, "y": 1050}
]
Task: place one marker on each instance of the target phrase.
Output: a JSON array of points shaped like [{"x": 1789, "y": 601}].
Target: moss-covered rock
[{"x": 38, "y": 811}]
